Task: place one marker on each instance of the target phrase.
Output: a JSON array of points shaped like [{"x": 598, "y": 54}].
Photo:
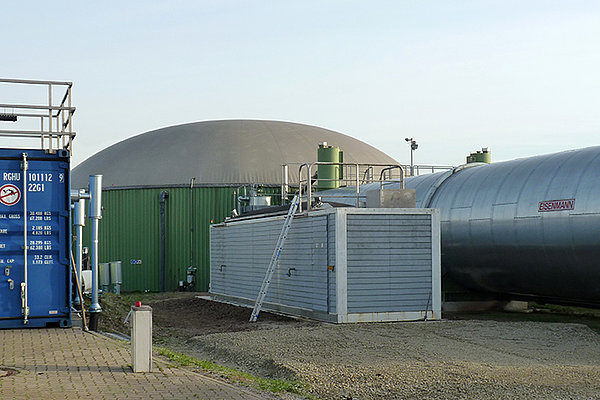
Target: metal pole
[
  {"x": 50, "y": 117},
  {"x": 300, "y": 183},
  {"x": 412, "y": 161},
  {"x": 42, "y": 130},
  {"x": 309, "y": 189},
  {"x": 163, "y": 239},
  {"x": 357, "y": 187},
  {"x": 95, "y": 214},
  {"x": 24, "y": 294},
  {"x": 79, "y": 223},
  {"x": 284, "y": 183},
  {"x": 70, "y": 122}
]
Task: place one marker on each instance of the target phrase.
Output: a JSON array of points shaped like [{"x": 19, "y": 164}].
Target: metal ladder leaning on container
[{"x": 287, "y": 223}]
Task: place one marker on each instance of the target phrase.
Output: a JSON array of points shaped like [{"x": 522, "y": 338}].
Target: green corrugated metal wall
[{"x": 130, "y": 230}]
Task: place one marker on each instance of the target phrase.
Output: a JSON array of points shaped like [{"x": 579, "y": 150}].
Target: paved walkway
[{"x": 70, "y": 364}]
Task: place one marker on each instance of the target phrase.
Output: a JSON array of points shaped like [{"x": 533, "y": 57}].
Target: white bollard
[{"x": 141, "y": 338}]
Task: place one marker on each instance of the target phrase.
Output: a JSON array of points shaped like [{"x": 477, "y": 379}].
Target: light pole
[{"x": 413, "y": 146}]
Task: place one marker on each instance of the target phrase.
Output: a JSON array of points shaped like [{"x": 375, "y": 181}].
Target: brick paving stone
[{"x": 68, "y": 363}]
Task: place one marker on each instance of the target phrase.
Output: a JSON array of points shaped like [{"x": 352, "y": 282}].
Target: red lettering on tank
[{"x": 556, "y": 205}]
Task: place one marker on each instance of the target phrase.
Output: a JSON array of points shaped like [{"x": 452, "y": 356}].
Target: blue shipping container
[{"x": 34, "y": 210}]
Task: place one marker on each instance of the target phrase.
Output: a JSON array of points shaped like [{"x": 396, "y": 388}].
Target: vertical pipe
[
  {"x": 192, "y": 222},
  {"x": 357, "y": 188},
  {"x": 284, "y": 183},
  {"x": 24, "y": 294},
  {"x": 79, "y": 223},
  {"x": 95, "y": 213},
  {"x": 163, "y": 239}
]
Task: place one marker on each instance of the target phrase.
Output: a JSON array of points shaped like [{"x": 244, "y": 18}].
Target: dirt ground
[
  {"x": 192, "y": 316},
  {"x": 179, "y": 316},
  {"x": 541, "y": 355}
]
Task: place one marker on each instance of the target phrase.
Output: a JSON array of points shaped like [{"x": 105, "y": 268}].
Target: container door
[
  {"x": 44, "y": 209},
  {"x": 11, "y": 239}
]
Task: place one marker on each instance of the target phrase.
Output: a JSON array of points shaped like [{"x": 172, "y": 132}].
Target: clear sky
[{"x": 521, "y": 77}]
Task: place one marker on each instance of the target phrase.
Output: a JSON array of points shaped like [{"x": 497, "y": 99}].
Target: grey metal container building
[{"x": 338, "y": 264}]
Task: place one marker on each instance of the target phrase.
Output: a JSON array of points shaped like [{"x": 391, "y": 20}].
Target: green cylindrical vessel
[
  {"x": 329, "y": 175},
  {"x": 486, "y": 156},
  {"x": 482, "y": 156}
]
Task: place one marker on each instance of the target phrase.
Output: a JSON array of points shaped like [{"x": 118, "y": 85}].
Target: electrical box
[{"x": 34, "y": 238}]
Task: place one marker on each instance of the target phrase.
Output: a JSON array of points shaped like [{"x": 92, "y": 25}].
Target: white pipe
[
  {"x": 357, "y": 188},
  {"x": 285, "y": 188},
  {"x": 95, "y": 214}
]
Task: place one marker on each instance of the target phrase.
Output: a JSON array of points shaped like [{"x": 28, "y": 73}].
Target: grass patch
[{"x": 268, "y": 384}]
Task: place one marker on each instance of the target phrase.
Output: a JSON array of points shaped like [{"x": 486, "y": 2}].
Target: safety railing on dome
[
  {"x": 426, "y": 169},
  {"x": 54, "y": 114},
  {"x": 351, "y": 176}
]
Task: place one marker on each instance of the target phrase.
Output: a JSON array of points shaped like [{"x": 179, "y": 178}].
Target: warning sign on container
[{"x": 9, "y": 195}]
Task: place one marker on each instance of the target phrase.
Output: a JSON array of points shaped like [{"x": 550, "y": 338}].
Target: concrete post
[{"x": 141, "y": 338}]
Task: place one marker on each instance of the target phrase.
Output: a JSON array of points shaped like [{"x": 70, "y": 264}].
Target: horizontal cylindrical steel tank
[{"x": 527, "y": 227}]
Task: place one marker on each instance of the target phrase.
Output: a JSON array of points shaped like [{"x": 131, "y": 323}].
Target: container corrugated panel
[
  {"x": 389, "y": 263},
  {"x": 35, "y": 285},
  {"x": 331, "y": 262},
  {"x": 386, "y": 264},
  {"x": 130, "y": 232},
  {"x": 241, "y": 253}
]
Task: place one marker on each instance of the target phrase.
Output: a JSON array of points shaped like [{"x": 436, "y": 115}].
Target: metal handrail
[
  {"x": 56, "y": 125},
  {"x": 308, "y": 186},
  {"x": 356, "y": 175},
  {"x": 382, "y": 177},
  {"x": 431, "y": 168}
]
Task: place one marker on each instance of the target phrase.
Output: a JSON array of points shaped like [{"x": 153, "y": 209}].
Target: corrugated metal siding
[
  {"x": 130, "y": 230},
  {"x": 389, "y": 263},
  {"x": 241, "y": 253},
  {"x": 331, "y": 221}
]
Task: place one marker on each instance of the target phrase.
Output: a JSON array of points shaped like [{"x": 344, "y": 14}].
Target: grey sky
[{"x": 522, "y": 77}]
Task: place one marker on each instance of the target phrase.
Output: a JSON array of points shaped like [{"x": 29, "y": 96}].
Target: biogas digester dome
[{"x": 221, "y": 156}]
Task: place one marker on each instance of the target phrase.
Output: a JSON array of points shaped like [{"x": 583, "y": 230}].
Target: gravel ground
[
  {"x": 477, "y": 356},
  {"x": 422, "y": 360}
]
